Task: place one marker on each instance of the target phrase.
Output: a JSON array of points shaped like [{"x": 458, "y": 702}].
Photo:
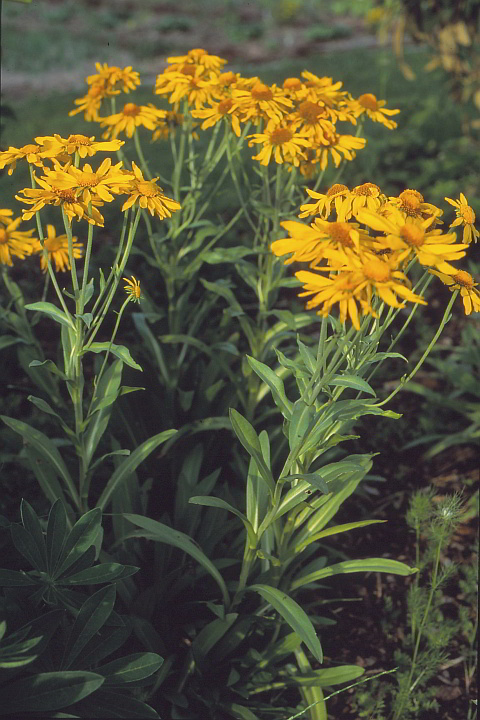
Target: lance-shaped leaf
[
  {"x": 293, "y": 614},
  {"x": 154, "y": 530},
  {"x": 351, "y": 566},
  {"x": 130, "y": 668},
  {"x": 52, "y": 311},
  {"x": 99, "y": 418},
  {"x": 275, "y": 383},
  {"x": 352, "y": 381},
  {"x": 48, "y": 691},
  {"x": 131, "y": 463},
  {"x": 56, "y": 533},
  {"x": 327, "y": 676},
  {"x": 48, "y": 365},
  {"x": 81, "y": 537},
  {"x": 15, "y": 578},
  {"x": 32, "y": 525},
  {"x": 218, "y": 502},
  {"x": 120, "y": 351},
  {"x": 106, "y": 703},
  {"x": 106, "y": 572},
  {"x": 46, "y": 449},
  {"x": 334, "y": 531},
  {"x": 210, "y": 635},
  {"x": 249, "y": 439},
  {"x": 93, "y": 614}
]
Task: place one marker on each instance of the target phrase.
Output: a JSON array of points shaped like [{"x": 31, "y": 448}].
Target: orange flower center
[
  {"x": 66, "y": 195},
  {"x": 411, "y": 200},
  {"x": 131, "y": 109},
  {"x": 468, "y": 214},
  {"x": 147, "y": 188},
  {"x": 3, "y": 235},
  {"x": 96, "y": 90},
  {"x": 368, "y": 189},
  {"x": 88, "y": 179},
  {"x": 261, "y": 92},
  {"x": 30, "y": 149},
  {"x": 340, "y": 233},
  {"x": 337, "y": 189},
  {"x": 226, "y": 78},
  {"x": 292, "y": 84},
  {"x": 53, "y": 244},
  {"x": 280, "y": 136},
  {"x": 413, "y": 234},
  {"x": 464, "y": 278},
  {"x": 368, "y": 101},
  {"x": 188, "y": 70},
  {"x": 377, "y": 270},
  {"x": 224, "y": 106},
  {"x": 310, "y": 111},
  {"x": 197, "y": 52},
  {"x": 79, "y": 140}
]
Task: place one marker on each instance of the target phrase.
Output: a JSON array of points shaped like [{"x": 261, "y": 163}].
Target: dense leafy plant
[{"x": 56, "y": 637}]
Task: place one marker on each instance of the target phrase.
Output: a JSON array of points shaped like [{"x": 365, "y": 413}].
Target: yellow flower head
[
  {"x": 411, "y": 203},
  {"x": 133, "y": 289},
  {"x": 324, "y": 201},
  {"x": 149, "y": 196},
  {"x": 88, "y": 184},
  {"x": 282, "y": 142},
  {"x": 110, "y": 76},
  {"x": 81, "y": 144},
  {"x": 91, "y": 103},
  {"x": 367, "y": 196},
  {"x": 14, "y": 242},
  {"x": 57, "y": 250},
  {"x": 464, "y": 282},
  {"x": 33, "y": 154},
  {"x": 339, "y": 147},
  {"x": 375, "y": 110},
  {"x": 199, "y": 57},
  {"x": 49, "y": 194},
  {"x": 261, "y": 101},
  {"x": 466, "y": 217},
  {"x": 131, "y": 117}
]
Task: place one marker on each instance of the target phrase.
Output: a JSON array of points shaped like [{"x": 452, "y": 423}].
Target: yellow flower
[
  {"x": 200, "y": 57},
  {"x": 375, "y": 110},
  {"x": 168, "y": 125},
  {"x": 217, "y": 112},
  {"x": 131, "y": 117},
  {"x": 340, "y": 147},
  {"x": 149, "y": 196},
  {"x": 281, "y": 141},
  {"x": 91, "y": 103},
  {"x": 133, "y": 289},
  {"x": 464, "y": 282},
  {"x": 87, "y": 184},
  {"x": 367, "y": 196},
  {"x": 188, "y": 83},
  {"x": 51, "y": 195},
  {"x": 57, "y": 249},
  {"x": 110, "y": 76},
  {"x": 466, "y": 217},
  {"x": 14, "y": 242},
  {"x": 411, "y": 203},
  {"x": 309, "y": 243},
  {"x": 358, "y": 279},
  {"x": 6, "y": 216},
  {"x": 261, "y": 101},
  {"x": 81, "y": 144},
  {"x": 313, "y": 118},
  {"x": 431, "y": 248},
  {"x": 324, "y": 202},
  {"x": 33, "y": 154}
]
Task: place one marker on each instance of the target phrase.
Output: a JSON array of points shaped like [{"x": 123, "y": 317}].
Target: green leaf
[
  {"x": 56, "y": 533},
  {"x": 49, "y": 365},
  {"x": 154, "y": 530},
  {"x": 105, "y": 395},
  {"x": 257, "y": 491},
  {"x": 120, "y": 351},
  {"x": 44, "y": 406},
  {"x": 293, "y": 614},
  {"x": 7, "y": 340},
  {"x": 352, "y": 381},
  {"x": 301, "y": 418},
  {"x": 52, "y": 311},
  {"x": 32, "y": 525},
  {"x": 81, "y": 537},
  {"x": 130, "y": 668},
  {"x": 86, "y": 317},
  {"x": 334, "y": 531},
  {"x": 328, "y": 676},
  {"x": 26, "y": 546},
  {"x": 106, "y": 703},
  {"x": 48, "y": 691},
  {"x": 15, "y": 578},
  {"x": 93, "y": 614},
  {"x": 312, "y": 478},
  {"x": 105, "y": 572},
  {"x": 240, "y": 712},
  {"x": 249, "y": 439},
  {"x": 226, "y": 255},
  {"x": 46, "y": 449},
  {"x": 275, "y": 383},
  {"x": 351, "y": 566},
  {"x": 210, "y": 501},
  {"x": 131, "y": 463},
  {"x": 209, "y": 636}
]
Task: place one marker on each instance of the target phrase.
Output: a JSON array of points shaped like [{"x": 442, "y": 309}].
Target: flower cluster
[
  {"x": 296, "y": 123},
  {"x": 361, "y": 257}
]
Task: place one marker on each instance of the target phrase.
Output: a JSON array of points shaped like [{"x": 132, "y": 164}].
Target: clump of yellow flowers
[{"x": 360, "y": 256}]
